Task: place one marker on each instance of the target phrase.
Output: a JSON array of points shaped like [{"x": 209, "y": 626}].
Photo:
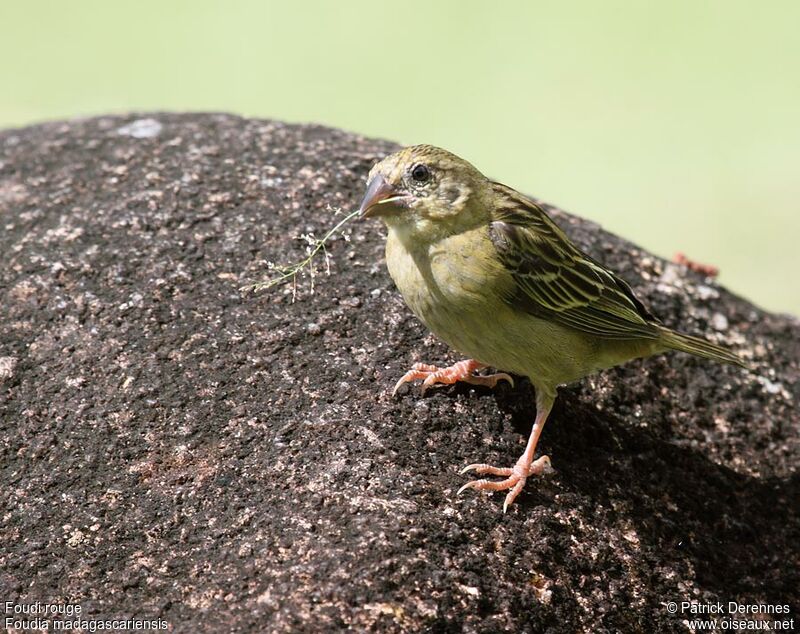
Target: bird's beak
[{"x": 378, "y": 194}]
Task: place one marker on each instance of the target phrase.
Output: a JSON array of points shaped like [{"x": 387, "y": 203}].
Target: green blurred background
[{"x": 675, "y": 124}]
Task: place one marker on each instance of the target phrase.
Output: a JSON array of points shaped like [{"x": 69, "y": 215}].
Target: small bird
[{"x": 490, "y": 273}]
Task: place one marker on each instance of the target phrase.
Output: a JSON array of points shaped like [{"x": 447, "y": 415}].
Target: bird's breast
[
  {"x": 454, "y": 285},
  {"x": 455, "y": 273},
  {"x": 457, "y": 288}
]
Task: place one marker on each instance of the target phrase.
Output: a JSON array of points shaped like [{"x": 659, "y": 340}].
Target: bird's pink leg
[
  {"x": 526, "y": 466},
  {"x": 463, "y": 371}
]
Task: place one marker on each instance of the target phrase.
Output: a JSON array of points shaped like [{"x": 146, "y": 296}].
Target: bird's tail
[{"x": 700, "y": 347}]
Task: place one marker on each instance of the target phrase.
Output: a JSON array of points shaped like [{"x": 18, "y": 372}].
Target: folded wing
[{"x": 556, "y": 280}]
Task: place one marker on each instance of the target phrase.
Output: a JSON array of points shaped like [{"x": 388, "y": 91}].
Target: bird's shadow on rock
[{"x": 685, "y": 507}]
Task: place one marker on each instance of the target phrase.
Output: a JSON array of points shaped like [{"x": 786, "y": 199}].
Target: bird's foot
[
  {"x": 514, "y": 477},
  {"x": 463, "y": 371}
]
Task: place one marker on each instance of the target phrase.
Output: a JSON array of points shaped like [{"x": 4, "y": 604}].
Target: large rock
[{"x": 175, "y": 448}]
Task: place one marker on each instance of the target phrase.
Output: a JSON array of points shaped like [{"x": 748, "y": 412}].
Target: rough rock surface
[{"x": 173, "y": 447}]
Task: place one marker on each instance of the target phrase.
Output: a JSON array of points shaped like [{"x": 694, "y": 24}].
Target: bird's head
[{"x": 425, "y": 191}]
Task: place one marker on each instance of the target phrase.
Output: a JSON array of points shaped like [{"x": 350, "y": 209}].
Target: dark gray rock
[{"x": 172, "y": 447}]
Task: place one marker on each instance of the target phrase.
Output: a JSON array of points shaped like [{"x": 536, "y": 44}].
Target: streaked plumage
[{"x": 488, "y": 271}]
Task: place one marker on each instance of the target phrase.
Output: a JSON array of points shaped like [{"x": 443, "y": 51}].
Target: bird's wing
[{"x": 556, "y": 280}]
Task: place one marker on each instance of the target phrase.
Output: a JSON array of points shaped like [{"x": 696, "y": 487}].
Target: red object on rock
[{"x": 698, "y": 267}]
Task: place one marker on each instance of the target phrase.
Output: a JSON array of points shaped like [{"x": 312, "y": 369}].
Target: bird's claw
[
  {"x": 515, "y": 477},
  {"x": 463, "y": 371}
]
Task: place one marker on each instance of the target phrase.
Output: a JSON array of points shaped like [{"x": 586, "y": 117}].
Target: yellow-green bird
[{"x": 490, "y": 273}]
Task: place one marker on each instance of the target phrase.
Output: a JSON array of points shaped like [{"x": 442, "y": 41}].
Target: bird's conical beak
[{"x": 378, "y": 194}]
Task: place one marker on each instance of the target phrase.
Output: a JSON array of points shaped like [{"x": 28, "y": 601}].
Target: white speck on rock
[
  {"x": 141, "y": 129},
  {"x": 77, "y": 381},
  {"x": 12, "y": 192},
  {"x": 771, "y": 387},
  {"x": 475, "y": 592},
  {"x": 706, "y": 292},
  {"x": 75, "y": 538},
  {"x": 670, "y": 280},
  {"x": 314, "y": 329},
  {"x": 7, "y": 365},
  {"x": 719, "y": 321},
  {"x": 370, "y": 435}
]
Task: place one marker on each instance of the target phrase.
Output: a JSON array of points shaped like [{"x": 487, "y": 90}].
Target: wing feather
[{"x": 556, "y": 280}]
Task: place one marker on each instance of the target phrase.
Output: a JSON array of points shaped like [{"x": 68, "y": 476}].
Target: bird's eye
[{"x": 420, "y": 173}]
